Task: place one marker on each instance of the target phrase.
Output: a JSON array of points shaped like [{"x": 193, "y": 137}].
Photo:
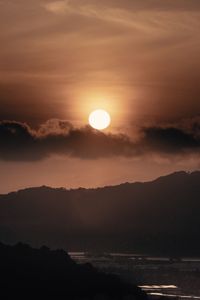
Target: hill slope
[
  {"x": 28, "y": 273},
  {"x": 159, "y": 216}
]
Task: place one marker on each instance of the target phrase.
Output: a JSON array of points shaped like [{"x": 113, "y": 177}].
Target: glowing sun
[{"x": 99, "y": 119}]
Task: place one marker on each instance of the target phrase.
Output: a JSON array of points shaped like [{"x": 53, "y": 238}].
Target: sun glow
[{"x": 99, "y": 119}]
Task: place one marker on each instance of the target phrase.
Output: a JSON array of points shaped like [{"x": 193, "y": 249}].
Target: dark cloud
[
  {"x": 19, "y": 142},
  {"x": 170, "y": 139}
]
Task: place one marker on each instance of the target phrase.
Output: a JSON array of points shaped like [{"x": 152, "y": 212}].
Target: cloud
[
  {"x": 170, "y": 140},
  {"x": 19, "y": 142},
  {"x": 57, "y": 7},
  {"x": 135, "y": 5},
  {"x": 145, "y": 16}
]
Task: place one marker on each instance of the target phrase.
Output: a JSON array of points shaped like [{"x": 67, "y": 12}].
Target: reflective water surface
[{"x": 158, "y": 276}]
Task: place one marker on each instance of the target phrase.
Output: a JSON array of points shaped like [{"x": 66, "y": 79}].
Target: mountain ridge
[
  {"x": 160, "y": 216},
  {"x": 47, "y": 187},
  {"x": 52, "y": 274}
]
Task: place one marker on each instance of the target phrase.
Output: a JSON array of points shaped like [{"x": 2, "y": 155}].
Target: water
[{"x": 158, "y": 276}]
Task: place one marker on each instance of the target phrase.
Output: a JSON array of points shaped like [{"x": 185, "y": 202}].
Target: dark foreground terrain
[{"x": 28, "y": 273}]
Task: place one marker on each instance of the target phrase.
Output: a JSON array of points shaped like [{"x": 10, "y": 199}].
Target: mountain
[
  {"x": 160, "y": 217},
  {"x": 28, "y": 273}
]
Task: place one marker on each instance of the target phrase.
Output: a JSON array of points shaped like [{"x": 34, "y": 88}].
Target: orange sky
[{"x": 137, "y": 59}]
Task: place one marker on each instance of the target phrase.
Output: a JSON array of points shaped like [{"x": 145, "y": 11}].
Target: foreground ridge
[{"x": 53, "y": 274}]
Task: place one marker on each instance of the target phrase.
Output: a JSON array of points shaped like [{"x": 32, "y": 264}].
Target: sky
[{"x": 60, "y": 60}]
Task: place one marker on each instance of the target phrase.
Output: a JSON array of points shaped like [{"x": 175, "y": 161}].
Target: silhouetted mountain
[
  {"x": 161, "y": 216},
  {"x": 28, "y": 273}
]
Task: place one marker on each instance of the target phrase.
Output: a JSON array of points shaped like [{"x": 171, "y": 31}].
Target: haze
[{"x": 60, "y": 60}]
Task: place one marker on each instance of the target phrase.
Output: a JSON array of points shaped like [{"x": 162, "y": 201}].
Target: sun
[{"x": 99, "y": 119}]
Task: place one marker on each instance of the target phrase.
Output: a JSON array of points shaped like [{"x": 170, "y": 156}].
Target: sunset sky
[{"x": 60, "y": 60}]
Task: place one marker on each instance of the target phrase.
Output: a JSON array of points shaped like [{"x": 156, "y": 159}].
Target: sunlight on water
[
  {"x": 174, "y": 295},
  {"x": 164, "y": 276},
  {"x": 153, "y": 287}
]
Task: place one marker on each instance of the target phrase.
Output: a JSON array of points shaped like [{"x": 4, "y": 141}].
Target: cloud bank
[{"x": 19, "y": 142}]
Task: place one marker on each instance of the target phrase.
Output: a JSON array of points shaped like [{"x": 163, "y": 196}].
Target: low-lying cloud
[{"x": 19, "y": 142}]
